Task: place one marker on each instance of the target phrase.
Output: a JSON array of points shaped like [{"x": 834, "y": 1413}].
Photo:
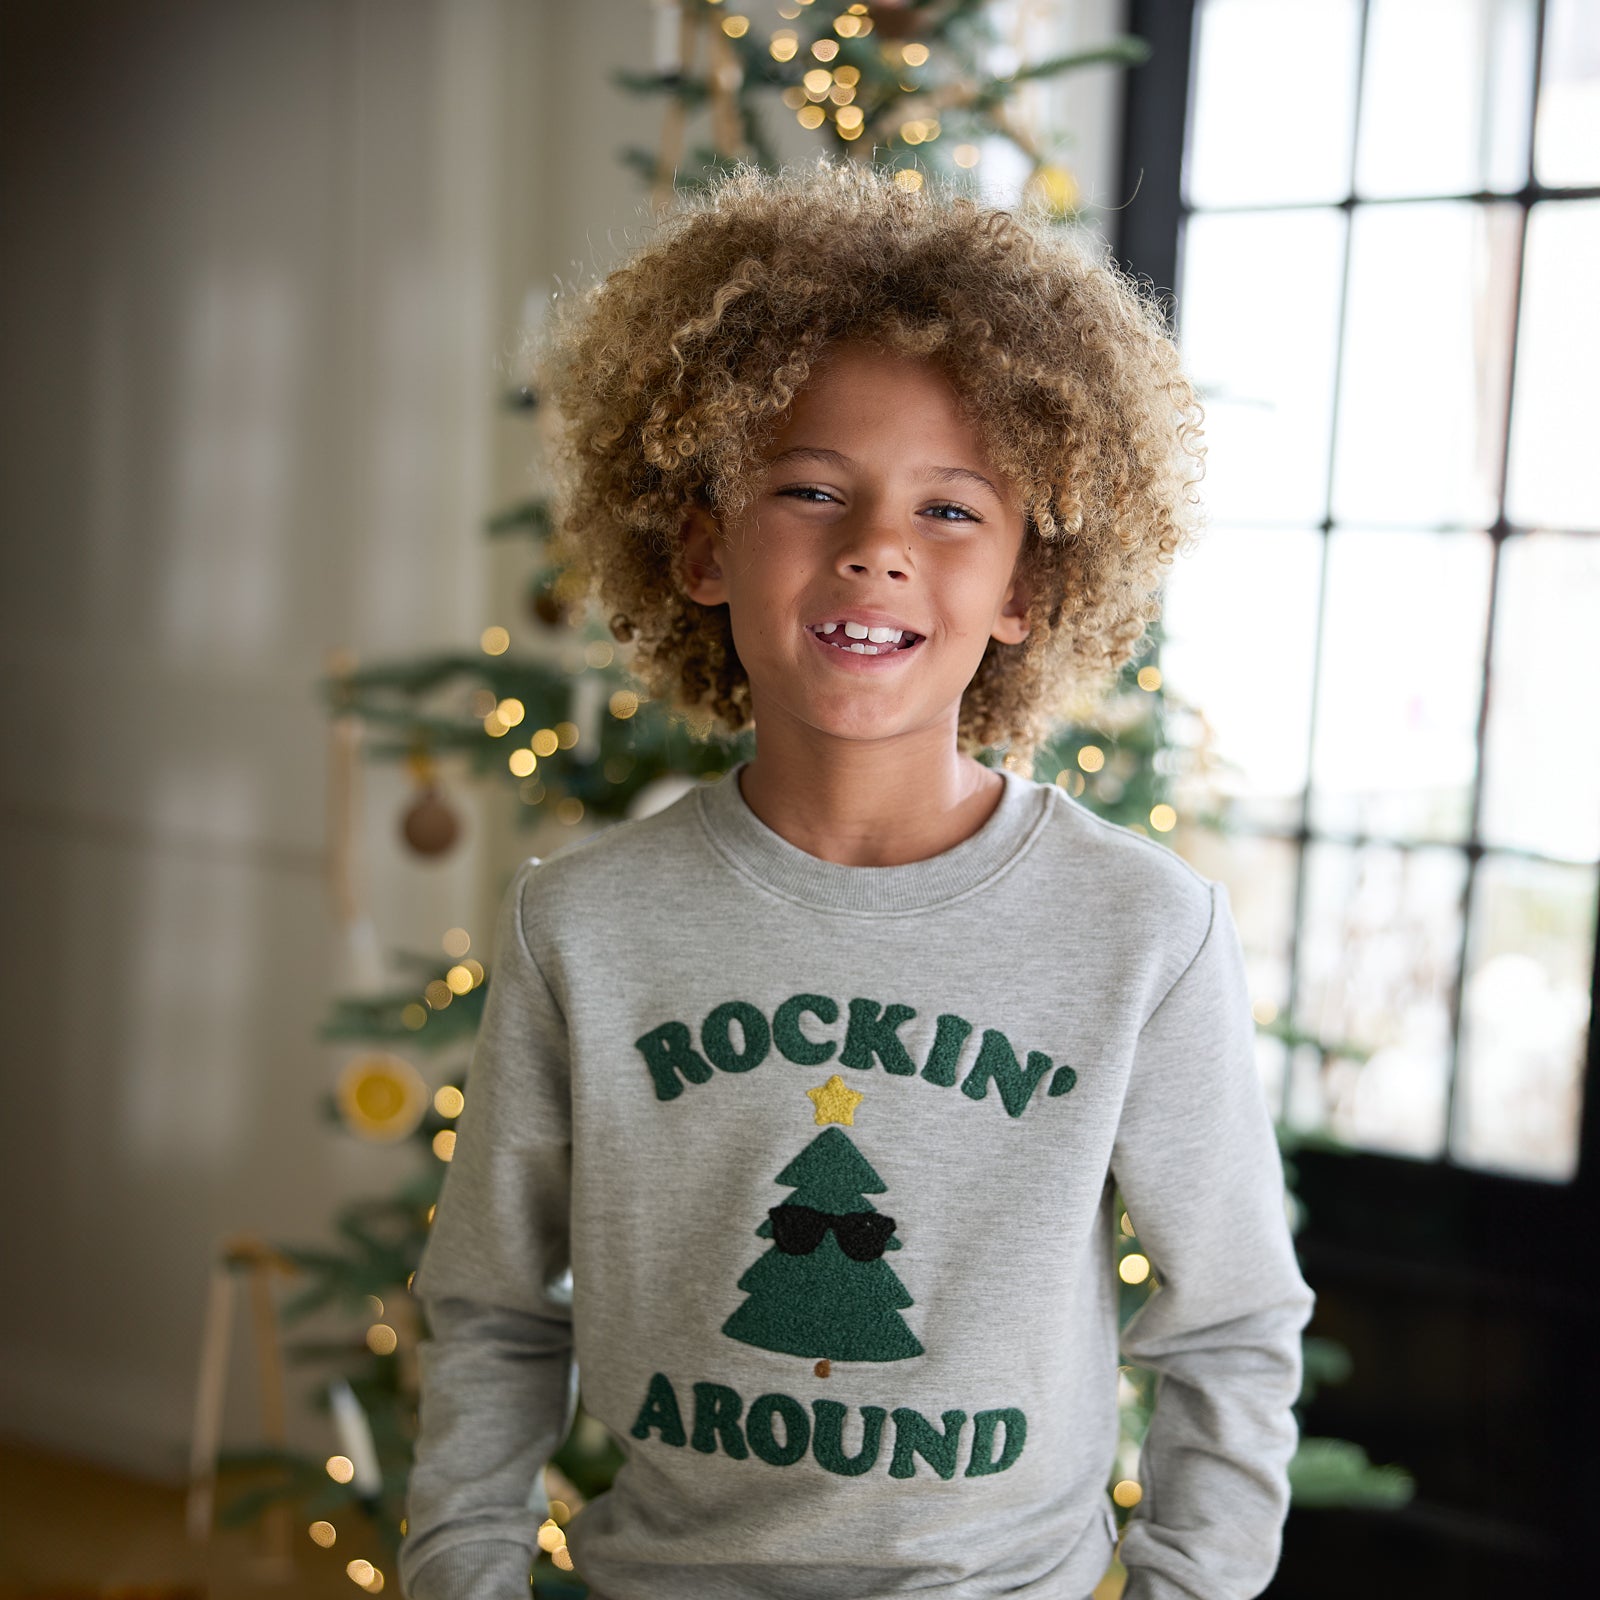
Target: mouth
[{"x": 854, "y": 638}]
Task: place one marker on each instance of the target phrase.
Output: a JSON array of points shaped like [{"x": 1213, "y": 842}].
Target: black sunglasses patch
[{"x": 862, "y": 1235}]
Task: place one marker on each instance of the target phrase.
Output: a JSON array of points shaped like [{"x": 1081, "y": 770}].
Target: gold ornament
[
  {"x": 1056, "y": 187},
  {"x": 381, "y": 1096}
]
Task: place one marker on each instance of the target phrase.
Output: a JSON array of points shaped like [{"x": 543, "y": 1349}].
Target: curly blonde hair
[{"x": 671, "y": 375}]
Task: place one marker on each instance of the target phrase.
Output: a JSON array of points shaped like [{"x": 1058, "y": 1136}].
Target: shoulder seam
[
  {"x": 525, "y": 868},
  {"x": 1211, "y": 925}
]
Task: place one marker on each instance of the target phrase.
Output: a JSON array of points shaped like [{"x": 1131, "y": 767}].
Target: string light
[
  {"x": 413, "y": 1016},
  {"x": 438, "y": 994}
]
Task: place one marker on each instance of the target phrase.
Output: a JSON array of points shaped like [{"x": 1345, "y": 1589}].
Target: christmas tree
[{"x": 824, "y": 1289}]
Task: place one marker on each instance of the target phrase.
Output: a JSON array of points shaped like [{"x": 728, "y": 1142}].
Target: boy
[{"x": 822, "y": 1078}]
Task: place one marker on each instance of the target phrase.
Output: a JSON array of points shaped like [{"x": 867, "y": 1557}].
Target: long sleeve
[
  {"x": 1198, "y": 1166},
  {"x": 497, "y": 1376}
]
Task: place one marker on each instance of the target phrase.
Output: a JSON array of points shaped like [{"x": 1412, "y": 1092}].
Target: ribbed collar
[{"x": 754, "y": 849}]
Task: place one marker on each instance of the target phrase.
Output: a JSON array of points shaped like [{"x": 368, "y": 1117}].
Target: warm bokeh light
[
  {"x": 511, "y": 711},
  {"x": 1126, "y": 1224},
  {"x": 550, "y": 1536},
  {"x": 561, "y": 1558},
  {"x": 569, "y": 810},
  {"x": 438, "y": 994},
  {"x": 850, "y": 117},
  {"x": 360, "y": 1572},
  {"x": 818, "y": 81},
  {"x": 1264, "y": 1012},
  {"x": 521, "y": 763},
  {"x": 545, "y": 742},
  {"x": 456, "y": 941},
  {"x": 785, "y": 46},
  {"x": 444, "y": 1144},
  {"x": 597, "y": 653},
  {"x": 908, "y": 180},
  {"x": 1133, "y": 1268},
  {"x": 1091, "y": 758},
  {"x": 1127, "y": 1493},
  {"x": 382, "y": 1339},
  {"x": 736, "y": 27},
  {"x": 914, "y": 55},
  {"x": 323, "y": 1533},
  {"x": 460, "y": 979},
  {"x": 1150, "y": 678},
  {"x": 449, "y": 1101},
  {"x": 494, "y": 725},
  {"x": 1163, "y": 818},
  {"x": 494, "y": 641},
  {"x": 413, "y": 1016},
  {"x": 567, "y": 735},
  {"x": 625, "y": 702},
  {"x": 340, "y": 1468},
  {"x": 825, "y": 49}
]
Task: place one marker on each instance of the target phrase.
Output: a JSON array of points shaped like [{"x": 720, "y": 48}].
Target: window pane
[
  {"x": 1426, "y": 352},
  {"x": 1259, "y": 872},
  {"x": 1525, "y": 1017},
  {"x": 1379, "y": 940},
  {"x": 1542, "y": 755},
  {"x": 1274, "y": 101},
  {"x": 1551, "y": 480},
  {"x": 1238, "y": 620},
  {"x": 1258, "y": 322},
  {"x": 1469, "y": 129},
  {"x": 1568, "y": 139},
  {"x": 1402, "y": 661}
]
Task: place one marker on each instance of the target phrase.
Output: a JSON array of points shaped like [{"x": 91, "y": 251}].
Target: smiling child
[{"x": 821, "y": 1081}]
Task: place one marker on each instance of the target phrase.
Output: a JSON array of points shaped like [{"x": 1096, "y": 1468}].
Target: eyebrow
[{"x": 836, "y": 458}]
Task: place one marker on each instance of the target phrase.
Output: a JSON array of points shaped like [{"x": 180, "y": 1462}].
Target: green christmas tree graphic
[{"x": 824, "y": 1290}]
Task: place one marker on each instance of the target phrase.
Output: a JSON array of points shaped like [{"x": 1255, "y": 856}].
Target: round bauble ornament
[
  {"x": 381, "y": 1096},
  {"x": 430, "y": 825}
]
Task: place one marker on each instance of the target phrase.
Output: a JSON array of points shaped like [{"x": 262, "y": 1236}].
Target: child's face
[{"x": 892, "y": 526}]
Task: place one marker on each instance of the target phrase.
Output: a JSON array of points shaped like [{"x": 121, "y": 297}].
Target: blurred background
[{"x": 291, "y": 688}]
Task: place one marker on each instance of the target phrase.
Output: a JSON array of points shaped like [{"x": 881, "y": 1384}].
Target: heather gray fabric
[{"x": 912, "y": 1393}]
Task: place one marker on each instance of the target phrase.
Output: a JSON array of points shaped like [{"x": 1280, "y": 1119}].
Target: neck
[{"x": 869, "y": 803}]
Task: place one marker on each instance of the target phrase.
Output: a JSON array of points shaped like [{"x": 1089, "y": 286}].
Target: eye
[
  {"x": 948, "y": 507},
  {"x": 806, "y": 489}
]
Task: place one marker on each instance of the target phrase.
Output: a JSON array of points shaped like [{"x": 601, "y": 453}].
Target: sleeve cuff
[{"x": 495, "y": 1569}]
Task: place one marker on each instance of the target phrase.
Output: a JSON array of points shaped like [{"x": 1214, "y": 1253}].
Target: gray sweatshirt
[{"x": 808, "y": 1169}]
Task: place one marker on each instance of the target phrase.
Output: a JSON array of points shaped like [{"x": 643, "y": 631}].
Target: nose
[{"x": 872, "y": 544}]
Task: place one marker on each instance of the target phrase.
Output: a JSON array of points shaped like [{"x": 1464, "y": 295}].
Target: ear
[
  {"x": 702, "y": 567},
  {"x": 1011, "y": 626}
]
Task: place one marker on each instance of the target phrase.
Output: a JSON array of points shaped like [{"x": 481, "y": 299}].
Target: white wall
[{"x": 263, "y": 263}]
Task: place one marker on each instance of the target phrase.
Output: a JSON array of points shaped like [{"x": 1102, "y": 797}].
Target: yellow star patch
[{"x": 835, "y": 1101}]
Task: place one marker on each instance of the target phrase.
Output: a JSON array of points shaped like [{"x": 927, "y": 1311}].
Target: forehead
[{"x": 860, "y": 389}]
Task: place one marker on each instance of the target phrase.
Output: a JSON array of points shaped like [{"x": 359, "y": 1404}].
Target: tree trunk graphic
[{"x": 822, "y": 1302}]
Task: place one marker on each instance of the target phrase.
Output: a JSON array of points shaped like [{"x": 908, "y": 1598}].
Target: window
[{"x": 1387, "y": 227}]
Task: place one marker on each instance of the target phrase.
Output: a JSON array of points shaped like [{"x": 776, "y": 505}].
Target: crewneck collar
[{"x": 757, "y": 851}]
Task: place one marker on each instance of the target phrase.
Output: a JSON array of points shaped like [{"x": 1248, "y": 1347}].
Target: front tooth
[
  {"x": 884, "y": 635},
  {"x": 857, "y": 630},
  {"x": 862, "y": 649}
]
